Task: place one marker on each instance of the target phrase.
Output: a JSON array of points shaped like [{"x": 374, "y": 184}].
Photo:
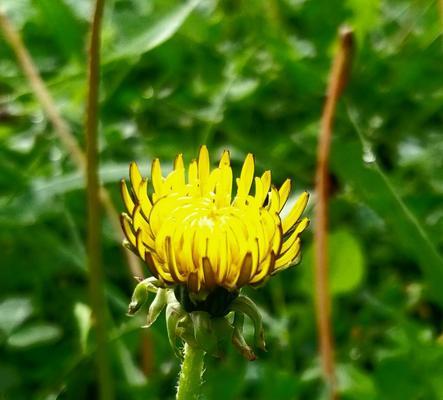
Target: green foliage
[
  {"x": 346, "y": 264},
  {"x": 33, "y": 336},
  {"x": 249, "y": 76}
]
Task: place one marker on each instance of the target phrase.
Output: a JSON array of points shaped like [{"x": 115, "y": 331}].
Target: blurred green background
[{"x": 250, "y": 76}]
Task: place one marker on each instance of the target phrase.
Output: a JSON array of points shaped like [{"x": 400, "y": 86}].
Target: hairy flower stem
[{"x": 190, "y": 378}]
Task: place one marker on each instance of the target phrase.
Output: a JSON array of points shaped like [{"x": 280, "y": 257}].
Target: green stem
[
  {"x": 94, "y": 248},
  {"x": 190, "y": 378}
]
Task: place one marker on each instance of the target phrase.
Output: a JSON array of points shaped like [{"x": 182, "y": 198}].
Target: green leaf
[
  {"x": 365, "y": 16},
  {"x": 145, "y": 40},
  {"x": 127, "y": 48},
  {"x": 82, "y": 313},
  {"x": 13, "y": 312},
  {"x": 63, "y": 26},
  {"x": 9, "y": 377},
  {"x": 374, "y": 188},
  {"x": 42, "y": 191},
  {"x": 354, "y": 383},
  {"x": 34, "y": 335},
  {"x": 132, "y": 373},
  {"x": 111, "y": 173},
  {"x": 346, "y": 263}
]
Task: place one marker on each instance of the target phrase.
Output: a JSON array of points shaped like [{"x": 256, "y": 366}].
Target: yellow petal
[
  {"x": 157, "y": 178},
  {"x": 141, "y": 224},
  {"x": 255, "y": 251},
  {"x": 208, "y": 273},
  {"x": 203, "y": 165},
  {"x": 283, "y": 192},
  {"x": 225, "y": 160},
  {"x": 178, "y": 162},
  {"x": 297, "y": 231},
  {"x": 156, "y": 268},
  {"x": 209, "y": 186},
  {"x": 173, "y": 268},
  {"x": 143, "y": 198},
  {"x": 135, "y": 176},
  {"x": 140, "y": 246},
  {"x": 225, "y": 257},
  {"x": 266, "y": 180},
  {"x": 246, "y": 176},
  {"x": 238, "y": 240},
  {"x": 267, "y": 268},
  {"x": 245, "y": 271},
  {"x": 286, "y": 258},
  {"x": 193, "y": 173},
  {"x": 188, "y": 240},
  {"x": 180, "y": 168},
  {"x": 274, "y": 201},
  {"x": 223, "y": 191},
  {"x": 277, "y": 238},
  {"x": 126, "y": 223},
  {"x": 259, "y": 191},
  {"x": 127, "y": 199},
  {"x": 172, "y": 182},
  {"x": 295, "y": 213}
]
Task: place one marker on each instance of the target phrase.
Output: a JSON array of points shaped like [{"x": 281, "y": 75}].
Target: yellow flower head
[{"x": 191, "y": 232}]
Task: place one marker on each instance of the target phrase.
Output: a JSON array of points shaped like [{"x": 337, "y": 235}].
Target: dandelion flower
[{"x": 192, "y": 232}]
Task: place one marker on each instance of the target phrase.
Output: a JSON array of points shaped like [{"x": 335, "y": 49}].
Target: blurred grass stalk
[
  {"x": 94, "y": 248},
  {"x": 337, "y": 81},
  {"x": 61, "y": 128}
]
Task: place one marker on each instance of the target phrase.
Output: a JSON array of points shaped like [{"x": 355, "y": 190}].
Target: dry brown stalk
[{"x": 337, "y": 81}]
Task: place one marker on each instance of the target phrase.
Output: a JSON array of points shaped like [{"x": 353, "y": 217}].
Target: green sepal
[
  {"x": 238, "y": 339},
  {"x": 185, "y": 330},
  {"x": 243, "y": 304},
  {"x": 140, "y": 294},
  {"x": 156, "y": 307},
  {"x": 174, "y": 312},
  {"x": 223, "y": 329},
  {"x": 204, "y": 331}
]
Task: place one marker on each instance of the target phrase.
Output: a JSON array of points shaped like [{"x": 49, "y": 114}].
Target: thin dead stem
[
  {"x": 61, "y": 128},
  {"x": 338, "y": 77}
]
